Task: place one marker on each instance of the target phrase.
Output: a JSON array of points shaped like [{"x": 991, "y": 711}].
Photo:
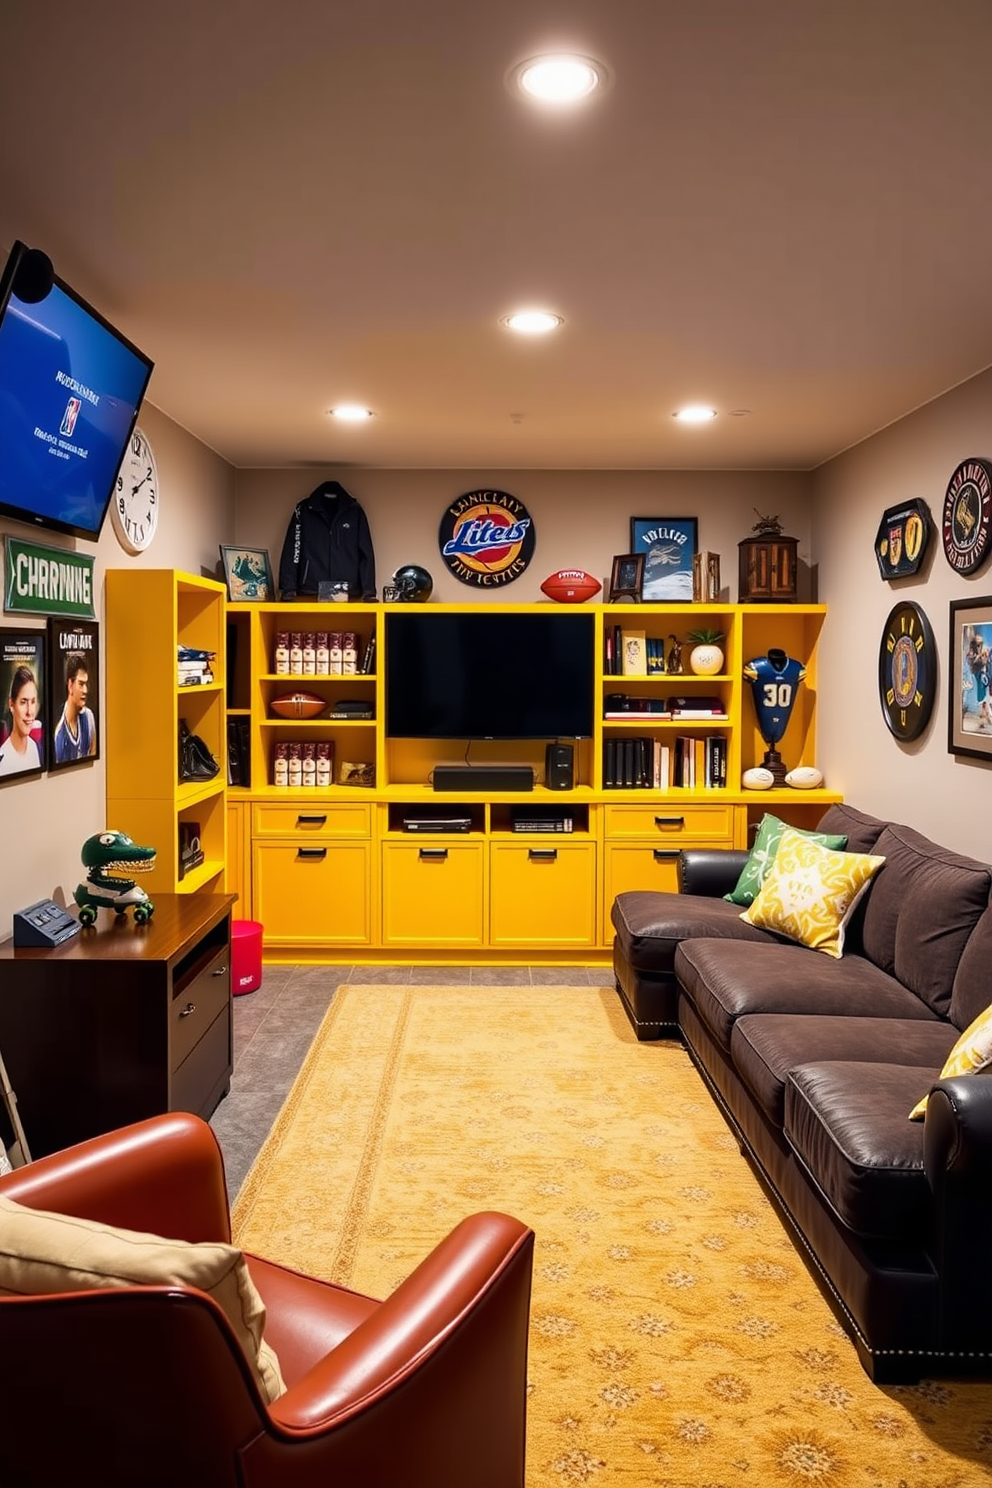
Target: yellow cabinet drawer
[
  {"x": 433, "y": 894},
  {"x": 642, "y": 865},
  {"x": 666, "y": 818},
  {"x": 313, "y": 894},
  {"x": 542, "y": 894},
  {"x": 315, "y": 818}
]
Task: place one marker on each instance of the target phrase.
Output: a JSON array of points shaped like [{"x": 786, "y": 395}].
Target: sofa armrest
[
  {"x": 712, "y": 871},
  {"x": 957, "y": 1158}
]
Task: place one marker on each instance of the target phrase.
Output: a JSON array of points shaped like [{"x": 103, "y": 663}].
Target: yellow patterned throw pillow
[
  {"x": 971, "y": 1053},
  {"x": 810, "y": 892}
]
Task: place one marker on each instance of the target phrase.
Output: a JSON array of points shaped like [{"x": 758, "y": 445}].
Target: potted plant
[{"x": 706, "y": 656}]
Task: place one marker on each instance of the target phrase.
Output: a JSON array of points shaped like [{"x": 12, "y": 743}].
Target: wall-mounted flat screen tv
[
  {"x": 490, "y": 674},
  {"x": 70, "y": 389}
]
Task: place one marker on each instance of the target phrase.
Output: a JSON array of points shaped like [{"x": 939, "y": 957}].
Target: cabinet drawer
[
  {"x": 543, "y": 894},
  {"x": 197, "y": 1003},
  {"x": 313, "y": 893},
  {"x": 433, "y": 893},
  {"x": 663, "y": 818},
  {"x": 313, "y": 819},
  {"x": 643, "y": 865},
  {"x": 205, "y": 1073}
]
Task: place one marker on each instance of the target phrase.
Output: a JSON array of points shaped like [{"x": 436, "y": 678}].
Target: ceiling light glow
[
  {"x": 532, "y": 322},
  {"x": 559, "y": 80},
  {"x": 351, "y": 413},
  {"x": 695, "y": 413}
]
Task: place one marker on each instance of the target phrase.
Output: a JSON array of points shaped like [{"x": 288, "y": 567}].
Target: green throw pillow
[{"x": 769, "y": 835}]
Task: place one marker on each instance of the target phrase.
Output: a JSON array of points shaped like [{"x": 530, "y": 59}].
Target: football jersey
[{"x": 774, "y": 679}]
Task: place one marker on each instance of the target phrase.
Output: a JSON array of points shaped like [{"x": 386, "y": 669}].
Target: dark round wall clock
[
  {"x": 907, "y": 671},
  {"x": 966, "y": 529}
]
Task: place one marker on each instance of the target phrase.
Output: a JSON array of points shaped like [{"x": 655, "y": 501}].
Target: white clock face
[{"x": 134, "y": 506}]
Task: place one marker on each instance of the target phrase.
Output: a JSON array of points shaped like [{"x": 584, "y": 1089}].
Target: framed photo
[
  {"x": 73, "y": 696},
  {"x": 667, "y": 544},
  {"x": 248, "y": 574},
  {"x": 969, "y": 719},
  {"x": 627, "y": 576},
  {"x": 22, "y": 703},
  {"x": 902, "y": 539}
]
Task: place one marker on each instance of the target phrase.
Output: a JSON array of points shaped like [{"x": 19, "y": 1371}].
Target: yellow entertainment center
[{"x": 332, "y": 871}]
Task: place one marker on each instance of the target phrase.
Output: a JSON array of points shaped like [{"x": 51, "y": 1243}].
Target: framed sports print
[
  {"x": 248, "y": 574},
  {"x": 907, "y": 671},
  {"x": 73, "y": 700},
  {"x": 627, "y": 576},
  {"x": 969, "y": 718},
  {"x": 668, "y": 544},
  {"x": 22, "y": 703},
  {"x": 902, "y": 539}
]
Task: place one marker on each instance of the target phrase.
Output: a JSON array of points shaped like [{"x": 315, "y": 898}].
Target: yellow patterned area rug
[{"x": 677, "y": 1340}]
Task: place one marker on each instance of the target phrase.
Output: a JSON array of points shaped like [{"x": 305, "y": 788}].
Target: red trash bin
[{"x": 246, "y": 956}]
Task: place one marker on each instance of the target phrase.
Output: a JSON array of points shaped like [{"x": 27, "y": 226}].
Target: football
[
  {"x": 297, "y": 705},
  {"x": 570, "y": 586},
  {"x": 804, "y": 777},
  {"x": 757, "y": 778}
]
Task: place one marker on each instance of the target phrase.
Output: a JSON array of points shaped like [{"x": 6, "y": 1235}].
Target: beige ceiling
[{"x": 779, "y": 206}]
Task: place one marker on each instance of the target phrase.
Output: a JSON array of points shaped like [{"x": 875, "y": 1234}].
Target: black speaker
[
  {"x": 482, "y": 777},
  {"x": 559, "y": 767}
]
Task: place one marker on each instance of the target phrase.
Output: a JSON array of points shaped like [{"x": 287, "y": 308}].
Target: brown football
[{"x": 297, "y": 705}]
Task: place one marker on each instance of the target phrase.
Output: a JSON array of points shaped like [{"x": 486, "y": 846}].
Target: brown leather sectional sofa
[{"x": 816, "y": 1064}]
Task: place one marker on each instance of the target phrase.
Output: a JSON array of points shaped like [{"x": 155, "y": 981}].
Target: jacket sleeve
[
  {"x": 289, "y": 563},
  {"x": 366, "y": 557}
]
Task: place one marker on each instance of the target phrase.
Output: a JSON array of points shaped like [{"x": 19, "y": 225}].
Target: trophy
[{"x": 774, "y": 679}]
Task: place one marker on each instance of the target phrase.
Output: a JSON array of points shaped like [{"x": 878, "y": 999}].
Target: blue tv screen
[{"x": 70, "y": 389}]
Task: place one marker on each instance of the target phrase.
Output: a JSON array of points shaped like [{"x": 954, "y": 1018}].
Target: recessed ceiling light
[
  {"x": 532, "y": 322},
  {"x": 351, "y": 413},
  {"x": 695, "y": 413},
  {"x": 559, "y": 80}
]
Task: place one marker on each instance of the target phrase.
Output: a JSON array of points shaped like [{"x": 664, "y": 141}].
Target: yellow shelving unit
[{"x": 150, "y": 613}]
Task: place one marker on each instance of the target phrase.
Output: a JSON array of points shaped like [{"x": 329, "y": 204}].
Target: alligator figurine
[{"x": 107, "y": 855}]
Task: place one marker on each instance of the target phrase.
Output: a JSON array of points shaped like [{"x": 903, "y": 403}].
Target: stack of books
[
  {"x": 640, "y": 762},
  {"x": 193, "y": 667}
]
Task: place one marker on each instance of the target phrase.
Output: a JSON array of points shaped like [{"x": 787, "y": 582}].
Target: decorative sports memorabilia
[
  {"x": 804, "y": 777},
  {"x": 297, "y": 705},
  {"x": 757, "y": 778},
  {"x": 907, "y": 671},
  {"x": 73, "y": 702},
  {"x": 486, "y": 538},
  {"x": 969, "y": 678},
  {"x": 135, "y": 502},
  {"x": 774, "y": 679},
  {"x": 570, "y": 586},
  {"x": 966, "y": 529},
  {"x": 902, "y": 539},
  {"x": 668, "y": 544}
]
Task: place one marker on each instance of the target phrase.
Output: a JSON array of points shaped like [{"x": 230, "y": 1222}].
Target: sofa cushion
[
  {"x": 810, "y": 892},
  {"x": 725, "y": 980},
  {"x": 971, "y": 1053},
  {"x": 764, "y": 1047},
  {"x": 920, "y": 911},
  {"x": 762, "y": 855},
  {"x": 847, "y": 1125},
  {"x": 861, "y": 830},
  {"x": 650, "y": 925},
  {"x": 971, "y": 990}
]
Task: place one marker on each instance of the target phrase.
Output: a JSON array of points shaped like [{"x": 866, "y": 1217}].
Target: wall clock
[
  {"x": 134, "y": 508},
  {"x": 966, "y": 528},
  {"x": 907, "y": 671}
]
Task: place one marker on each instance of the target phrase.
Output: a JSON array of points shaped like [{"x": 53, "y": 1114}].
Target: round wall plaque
[
  {"x": 486, "y": 538},
  {"x": 966, "y": 529},
  {"x": 907, "y": 671}
]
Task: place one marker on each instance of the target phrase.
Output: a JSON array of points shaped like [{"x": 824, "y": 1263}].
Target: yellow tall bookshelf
[{"x": 150, "y": 613}]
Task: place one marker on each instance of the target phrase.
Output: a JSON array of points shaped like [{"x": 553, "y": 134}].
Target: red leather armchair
[{"x": 149, "y": 1385}]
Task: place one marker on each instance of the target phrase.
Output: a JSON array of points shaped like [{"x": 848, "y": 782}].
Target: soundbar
[{"x": 483, "y": 778}]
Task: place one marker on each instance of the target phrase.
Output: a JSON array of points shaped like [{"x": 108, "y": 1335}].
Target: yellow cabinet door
[
  {"x": 313, "y": 893},
  {"x": 433, "y": 894},
  {"x": 642, "y": 865},
  {"x": 234, "y": 875},
  {"x": 543, "y": 894}
]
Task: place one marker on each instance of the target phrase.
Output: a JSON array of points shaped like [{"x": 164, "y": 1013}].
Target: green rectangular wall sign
[{"x": 47, "y": 581}]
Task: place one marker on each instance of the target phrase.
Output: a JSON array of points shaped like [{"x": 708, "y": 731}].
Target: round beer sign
[{"x": 486, "y": 538}]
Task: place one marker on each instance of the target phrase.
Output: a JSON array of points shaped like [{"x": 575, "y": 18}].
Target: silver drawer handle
[
  {"x": 189, "y": 1008},
  {"x": 543, "y": 854},
  {"x": 220, "y": 971},
  {"x": 434, "y": 854}
]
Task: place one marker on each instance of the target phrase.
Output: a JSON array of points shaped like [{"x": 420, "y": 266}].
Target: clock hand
[{"x": 137, "y": 488}]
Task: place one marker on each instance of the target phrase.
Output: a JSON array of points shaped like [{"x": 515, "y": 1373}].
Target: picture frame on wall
[
  {"x": 23, "y": 675},
  {"x": 627, "y": 576},
  {"x": 668, "y": 545},
  {"x": 247, "y": 574},
  {"x": 73, "y": 700},
  {"x": 969, "y": 719}
]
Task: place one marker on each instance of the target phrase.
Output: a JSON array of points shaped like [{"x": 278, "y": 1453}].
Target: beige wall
[
  {"x": 45, "y": 819},
  {"x": 946, "y": 797}
]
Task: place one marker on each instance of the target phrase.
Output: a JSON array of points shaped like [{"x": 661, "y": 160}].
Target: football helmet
[{"x": 414, "y": 583}]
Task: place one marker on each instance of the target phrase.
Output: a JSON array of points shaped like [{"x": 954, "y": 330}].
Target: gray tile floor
[{"x": 274, "y": 1027}]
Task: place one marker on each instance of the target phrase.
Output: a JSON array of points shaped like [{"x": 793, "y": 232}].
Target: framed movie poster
[
  {"x": 73, "y": 705},
  {"x": 969, "y": 718},
  {"x": 668, "y": 544},
  {"x": 22, "y": 703}
]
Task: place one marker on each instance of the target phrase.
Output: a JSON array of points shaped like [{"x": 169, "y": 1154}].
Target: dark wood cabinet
[
  {"x": 767, "y": 569},
  {"x": 122, "y": 1022}
]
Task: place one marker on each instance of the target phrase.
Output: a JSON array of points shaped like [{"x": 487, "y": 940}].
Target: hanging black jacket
[{"x": 328, "y": 539}]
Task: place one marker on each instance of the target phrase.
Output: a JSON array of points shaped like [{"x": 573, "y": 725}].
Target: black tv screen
[
  {"x": 492, "y": 674},
  {"x": 70, "y": 389}
]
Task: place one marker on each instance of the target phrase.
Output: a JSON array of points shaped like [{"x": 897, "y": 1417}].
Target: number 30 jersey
[{"x": 774, "y": 679}]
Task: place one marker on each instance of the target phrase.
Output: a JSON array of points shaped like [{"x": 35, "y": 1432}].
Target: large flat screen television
[
  {"x": 490, "y": 674},
  {"x": 70, "y": 389}
]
